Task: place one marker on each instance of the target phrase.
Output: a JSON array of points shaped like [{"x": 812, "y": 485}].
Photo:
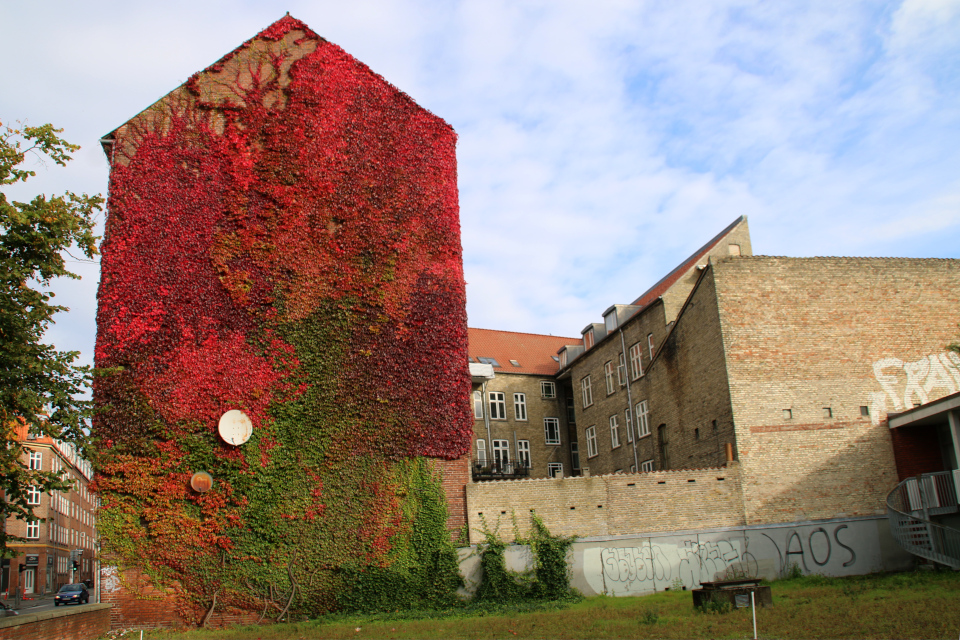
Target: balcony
[
  {"x": 913, "y": 504},
  {"x": 484, "y": 470}
]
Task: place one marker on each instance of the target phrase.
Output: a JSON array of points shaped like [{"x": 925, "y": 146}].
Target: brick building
[
  {"x": 788, "y": 366},
  {"x": 522, "y": 419},
  {"x": 64, "y": 524}
]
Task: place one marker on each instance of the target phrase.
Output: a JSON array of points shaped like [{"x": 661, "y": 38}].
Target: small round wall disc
[
  {"x": 235, "y": 427},
  {"x": 201, "y": 482}
]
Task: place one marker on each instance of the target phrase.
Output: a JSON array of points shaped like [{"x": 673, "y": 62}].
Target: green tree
[{"x": 41, "y": 389}]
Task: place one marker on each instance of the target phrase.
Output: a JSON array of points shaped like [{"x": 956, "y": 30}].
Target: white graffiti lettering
[{"x": 930, "y": 377}]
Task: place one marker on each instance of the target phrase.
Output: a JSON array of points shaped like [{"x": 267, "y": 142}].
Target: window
[
  {"x": 587, "y": 391},
  {"x": 498, "y": 406},
  {"x": 548, "y": 389},
  {"x": 520, "y": 406},
  {"x": 588, "y": 339},
  {"x": 591, "y": 441},
  {"x": 571, "y": 411},
  {"x": 614, "y": 432},
  {"x": 36, "y": 460},
  {"x": 33, "y": 495},
  {"x": 643, "y": 419},
  {"x": 501, "y": 452},
  {"x": 608, "y": 376},
  {"x": 551, "y": 430},
  {"x": 636, "y": 364},
  {"x": 628, "y": 422},
  {"x": 622, "y": 371},
  {"x": 864, "y": 411},
  {"x": 33, "y": 529},
  {"x": 481, "y": 452},
  {"x": 827, "y": 412},
  {"x": 523, "y": 453},
  {"x": 492, "y": 361},
  {"x": 646, "y": 466},
  {"x": 478, "y": 405},
  {"x": 650, "y": 344},
  {"x": 555, "y": 469},
  {"x": 515, "y": 363},
  {"x": 575, "y": 455}
]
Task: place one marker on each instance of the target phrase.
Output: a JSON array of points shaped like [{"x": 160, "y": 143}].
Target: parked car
[{"x": 72, "y": 593}]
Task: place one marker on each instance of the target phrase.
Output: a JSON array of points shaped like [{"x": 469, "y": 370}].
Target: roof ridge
[{"x": 523, "y": 333}]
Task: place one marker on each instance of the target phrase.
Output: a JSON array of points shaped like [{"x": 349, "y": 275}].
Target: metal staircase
[{"x": 910, "y": 507}]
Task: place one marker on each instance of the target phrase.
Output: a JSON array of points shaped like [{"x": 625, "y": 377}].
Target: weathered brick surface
[
  {"x": 811, "y": 334},
  {"x": 83, "y": 622},
  {"x": 615, "y": 504},
  {"x": 455, "y": 475}
]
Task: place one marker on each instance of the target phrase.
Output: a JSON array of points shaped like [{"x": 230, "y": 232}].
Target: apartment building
[
  {"x": 788, "y": 367},
  {"x": 63, "y": 529},
  {"x": 522, "y": 418}
]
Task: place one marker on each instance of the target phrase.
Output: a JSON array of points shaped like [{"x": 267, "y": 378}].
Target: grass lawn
[{"x": 905, "y": 605}]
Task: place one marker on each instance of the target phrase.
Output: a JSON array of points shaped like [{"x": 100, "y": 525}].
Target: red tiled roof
[
  {"x": 668, "y": 280},
  {"x": 533, "y": 351}
]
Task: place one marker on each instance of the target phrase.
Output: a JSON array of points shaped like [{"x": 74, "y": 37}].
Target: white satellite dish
[{"x": 235, "y": 427}]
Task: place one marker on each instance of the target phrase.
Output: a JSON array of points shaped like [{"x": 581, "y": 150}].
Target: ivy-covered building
[{"x": 282, "y": 246}]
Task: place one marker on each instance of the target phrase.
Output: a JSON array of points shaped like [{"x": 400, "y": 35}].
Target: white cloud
[{"x": 598, "y": 147}]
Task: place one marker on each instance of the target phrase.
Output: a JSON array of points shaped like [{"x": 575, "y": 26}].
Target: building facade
[
  {"x": 64, "y": 527},
  {"x": 788, "y": 366},
  {"x": 522, "y": 417}
]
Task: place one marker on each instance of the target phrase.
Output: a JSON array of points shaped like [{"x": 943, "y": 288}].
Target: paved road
[{"x": 34, "y": 606}]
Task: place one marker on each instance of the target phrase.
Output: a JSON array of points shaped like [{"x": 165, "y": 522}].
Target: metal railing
[
  {"x": 911, "y": 505},
  {"x": 484, "y": 469}
]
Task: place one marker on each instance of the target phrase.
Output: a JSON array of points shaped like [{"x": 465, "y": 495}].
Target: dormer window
[
  {"x": 491, "y": 361},
  {"x": 588, "y": 339},
  {"x": 610, "y": 321}
]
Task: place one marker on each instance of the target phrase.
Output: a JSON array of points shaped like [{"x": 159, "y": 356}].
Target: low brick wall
[
  {"x": 610, "y": 505},
  {"x": 83, "y": 622}
]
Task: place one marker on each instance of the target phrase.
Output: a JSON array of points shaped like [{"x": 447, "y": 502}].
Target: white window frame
[
  {"x": 646, "y": 466},
  {"x": 548, "y": 389},
  {"x": 481, "y": 451},
  {"x": 33, "y": 529},
  {"x": 628, "y": 418},
  {"x": 614, "y": 431},
  {"x": 650, "y": 344},
  {"x": 591, "y": 435},
  {"x": 554, "y": 424},
  {"x": 36, "y": 460},
  {"x": 478, "y": 405},
  {"x": 498, "y": 405},
  {"x": 588, "y": 340},
  {"x": 520, "y": 406},
  {"x": 501, "y": 451},
  {"x": 523, "y": 453},
  {"x": 33, "y": 495},
  {"x": 608, "y": 376},
  {"x": 622, "y": 370},
  {"x": 586, "y": 390},
  {"x": 643, "y": 419},
  {"x": 554, "y": 469},
  {"x": 636, "y": 361}
]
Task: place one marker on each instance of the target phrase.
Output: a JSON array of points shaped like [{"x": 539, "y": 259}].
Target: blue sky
[{"x": 600, "y": 143}]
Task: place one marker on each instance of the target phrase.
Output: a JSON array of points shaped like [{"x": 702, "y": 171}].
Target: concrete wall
[
  {"x": 635, "y": 565},
  {"x": 83, "y": 622},
  {"x": 608, "y": 505}
]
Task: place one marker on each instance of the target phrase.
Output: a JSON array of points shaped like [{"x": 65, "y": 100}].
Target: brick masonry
[
  {"x": 84, "y": 622},
  {"x": 808, "y": 343},
  {"x": 617, "y": 504}
]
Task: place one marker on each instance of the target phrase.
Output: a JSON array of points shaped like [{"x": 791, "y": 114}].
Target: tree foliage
[{"x": 40, "y": 387}]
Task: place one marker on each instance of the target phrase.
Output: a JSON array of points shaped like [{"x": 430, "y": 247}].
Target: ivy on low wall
[{"x": 283, "y": 239}]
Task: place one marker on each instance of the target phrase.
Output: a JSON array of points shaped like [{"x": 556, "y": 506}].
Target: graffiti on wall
[
  {"x": 653, "y": 564},
  {"x": 908, "y": 383}
]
